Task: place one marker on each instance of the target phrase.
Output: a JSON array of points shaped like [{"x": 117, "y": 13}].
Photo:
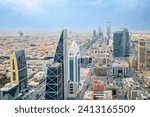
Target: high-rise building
[
  {"x": 121, "y": 43},
  {"x": 18, "y": 69},
  {"x": 94, "y": 34},
  {"x": 108, "y": 30},
  {"x": 74, "y": 70},
  {"x": 54, "y": 89},
  {"x": 143, "y": 55},
  {"x": 74, "y": 63},
  {"x": 61, "y": 56}
]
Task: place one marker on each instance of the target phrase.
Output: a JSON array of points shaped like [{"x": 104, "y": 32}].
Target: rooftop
[
  {"x": 8, "y": 86},
  {"x": 120, "y": 63},
  {"x": 84, "y": 72},
  {"x": 88, "y": 95}
]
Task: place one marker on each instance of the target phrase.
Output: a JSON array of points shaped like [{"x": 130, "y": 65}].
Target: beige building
[
  {"x": 133, "y": 62},
  {"x": 143, "y": 54},
  {"x": 101, "y": 53},
  {"x": 131, "y": 87},
  {"x": 88, "y": 95}
]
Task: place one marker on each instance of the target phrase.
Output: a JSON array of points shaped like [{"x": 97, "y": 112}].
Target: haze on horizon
[{"x": 73, "y": 14}]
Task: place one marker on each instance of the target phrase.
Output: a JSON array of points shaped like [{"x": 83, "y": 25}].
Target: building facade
[
  {"x": 9, "y": 92},
  {"x": 120, "y": 67},
  {"x": 54, "y": 86},
  {"x": 18, "y": 69},
  {"x": 143, "y": 54},
  {"x": 121, "y": 43},
  {"x": 61, "y": 56},
  {"x": 74, "y": 70},
  {"x": 74, "y": 63}
]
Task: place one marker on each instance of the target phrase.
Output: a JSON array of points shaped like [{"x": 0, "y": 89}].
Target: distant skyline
[{"x": 78, "y": 15}]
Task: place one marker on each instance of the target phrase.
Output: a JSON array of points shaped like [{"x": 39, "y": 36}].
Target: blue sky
[{"x": 73, "y": 14}]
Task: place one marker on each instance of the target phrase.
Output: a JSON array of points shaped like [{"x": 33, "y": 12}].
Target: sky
[{"x": 73, "y": 14}]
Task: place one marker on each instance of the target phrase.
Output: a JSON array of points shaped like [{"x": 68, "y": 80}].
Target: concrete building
[
  {"x": 99, "y": 90},
  {"x": 74, "y": 70},
  {"x": 131, "y": 88},
  {"x": 72, "y": 90},
  {"x": 120, "y": 67},
  {"x": 108, "y": 95},
  {"x": 98, "y": 85},
  {"x": 101, "y": 53},
  {"x": 9, "y": 92},
  {"x": 86, "y": 60},
  {"x": 143, "y": 54},
  {"x": 88, "y": 95},
  {"x": 121, "y": 43},
  {"x": 133, "y": 62},
  {"x": 100, "y": 70}
]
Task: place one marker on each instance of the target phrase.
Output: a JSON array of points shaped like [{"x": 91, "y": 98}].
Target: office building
[
  {"x": 18, "y": 69},
  {"x": 74, "y": 63},
  {"x": 61, "y": 56},
  {"x": 121, "y": 43},
  {"x": 120, "y": 68},
  {"x": 74, "y": 70},
  {"x": 72, "y": 90},
  {"x": 54, "y": 86},
  {"x": 94, "y": 34},
  {"x": 143, "y": 55},
  {"x": 108, "y": 29},
  {"x": 86, "y": 60},
  {"x": 9, "y": 92}
]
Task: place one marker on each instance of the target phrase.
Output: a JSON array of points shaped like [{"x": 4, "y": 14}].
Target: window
[
  {"x": 14, "y": 76},
  {"x": 13, "y": 64}
]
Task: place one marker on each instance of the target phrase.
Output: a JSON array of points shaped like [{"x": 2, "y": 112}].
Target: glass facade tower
[
  {"x": 18, "y": 68},
  {"x": 121, "y": 43},
  {"x": 54, "y": 82},
  {"x": 61, "y": 57}
]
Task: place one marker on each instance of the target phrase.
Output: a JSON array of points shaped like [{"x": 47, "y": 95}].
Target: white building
[
  {"x": 74, "y": 70},
  {"x": 120, "y": 67}
]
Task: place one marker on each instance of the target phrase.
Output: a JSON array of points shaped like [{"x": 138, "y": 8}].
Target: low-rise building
[
  {"x": 9, "y": 92},
  {"x": 88, "y": 95},
  {"x": 120, "y": 67},
  {"x": 131, "y": 88}
]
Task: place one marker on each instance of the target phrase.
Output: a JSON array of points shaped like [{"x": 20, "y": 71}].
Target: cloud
[{"x": 30, "y": 6}]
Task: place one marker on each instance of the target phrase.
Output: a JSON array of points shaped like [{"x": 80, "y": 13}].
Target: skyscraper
[
  {"x": 74, "y": 70},
  {"x": 61, "y": 56},
  {"x": 94, "y": 34},
  {"x": 143, "y": 54},
  {"x": 18, "y": 69},
  {"x": 121, "y": 43},
  {"x": 74, "y": 63},
  {"x": 54, "y": 82},
  {"x": 108, "y": 29}
]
